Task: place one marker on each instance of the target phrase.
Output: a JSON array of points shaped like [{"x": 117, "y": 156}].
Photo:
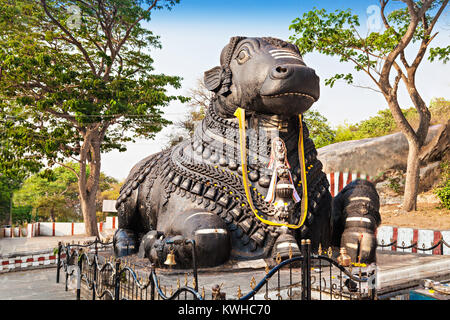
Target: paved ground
[
  {"x": 22, "y": 246},
  {"x": 33, "y": 285}
]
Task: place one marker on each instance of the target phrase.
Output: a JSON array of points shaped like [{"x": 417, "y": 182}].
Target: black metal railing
[
  {"x": 117, "y": 279},
  {"x": 342, "y": 284},
  {"x": 437, "y": 247}
]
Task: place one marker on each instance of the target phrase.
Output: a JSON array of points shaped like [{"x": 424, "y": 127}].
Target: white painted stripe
[
  {"x": 280, "y": 50},
  {"x": 209, "y": 231},
  {"x": 336, "y": 183},
  {"x": 285, "y": 185},
  {"x": 385, "y": 234},
  {"x": 425, "y": 238},
  {"x": 446, "y": 237},
  {"x": 286, "y": 245},
  {"x": 285, "y": 54},
  {"x": 344, "y": 180},
  {"x": 360, "y": 219},
  {"x": 290, "y": 57},
  {"x": 405, "y": 235},
  {"x": 359, "y": 198},
  {"x": 352, "y": 245}
]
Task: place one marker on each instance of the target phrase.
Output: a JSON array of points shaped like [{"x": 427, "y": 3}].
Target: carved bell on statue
[
  {"x": 170, "y": 260},
  {"x": 284, "y": 188}
]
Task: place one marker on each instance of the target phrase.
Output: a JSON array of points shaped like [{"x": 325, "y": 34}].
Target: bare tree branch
[{"x": 74, "y": 41}]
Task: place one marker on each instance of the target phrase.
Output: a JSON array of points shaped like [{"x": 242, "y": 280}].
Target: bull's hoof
[
  {"x": 360, "y": 244},
  {"x": 124, "y": 242}
]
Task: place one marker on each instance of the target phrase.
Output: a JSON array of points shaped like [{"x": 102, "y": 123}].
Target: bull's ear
[{"x": 212, "y": 79}]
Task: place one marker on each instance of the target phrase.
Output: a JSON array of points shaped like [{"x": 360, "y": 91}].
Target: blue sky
[{"x": 194, "y": 32}]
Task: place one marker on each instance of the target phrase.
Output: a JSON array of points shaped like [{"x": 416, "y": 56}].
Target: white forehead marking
[
  {"x": 290, "y": 57},
  {"x": 280, "y": 50},
  {"x": 281, "y": 54}
]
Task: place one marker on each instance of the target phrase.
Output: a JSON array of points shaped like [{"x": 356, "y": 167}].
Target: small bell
[
  {"x": 170, "y": 260},
  {"x": 344, "y": 259}
]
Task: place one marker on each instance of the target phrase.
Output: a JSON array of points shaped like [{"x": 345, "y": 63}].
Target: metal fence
[
  {"x": 310, "y": 276},
  {"x": 437, "y": 248}
]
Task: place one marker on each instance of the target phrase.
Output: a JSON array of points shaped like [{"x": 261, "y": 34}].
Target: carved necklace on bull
[{"x": 281, "y": 186}]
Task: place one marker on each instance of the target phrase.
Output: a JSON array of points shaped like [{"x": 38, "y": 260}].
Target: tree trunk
[
  {"x": 412, "y": 177},
  {"x": 89, "y": 215},
  {"x": 88, "y": 186}
]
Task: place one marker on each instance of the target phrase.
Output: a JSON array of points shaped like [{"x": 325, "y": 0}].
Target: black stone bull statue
[{"x": 246, "y": 197}]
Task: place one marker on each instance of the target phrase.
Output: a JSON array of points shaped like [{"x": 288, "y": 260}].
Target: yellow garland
[{"x": 240, "y": 114}]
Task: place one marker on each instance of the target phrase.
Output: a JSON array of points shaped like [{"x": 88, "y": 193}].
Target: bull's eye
[{"x": 242, "y": 57}]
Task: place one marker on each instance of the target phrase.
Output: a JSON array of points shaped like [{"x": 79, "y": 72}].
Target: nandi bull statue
[{"x": 248, "y": 185}]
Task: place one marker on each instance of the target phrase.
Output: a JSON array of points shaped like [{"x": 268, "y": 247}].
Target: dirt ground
[{"x": 427, "y": 216}]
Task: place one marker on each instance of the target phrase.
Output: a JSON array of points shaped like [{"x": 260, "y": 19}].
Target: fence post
[
  {"x": 194, "y": 262},
  {"x": 308, "y": 269},
  {"x": 94, "y": 281},
  {"x": 152, "y": 283},
  {"x": 304, "y": 262},
  {"x": 80, "y": 270},
  {"x": 96, "y": 248},
  {"x": 117, "y": 280},
  {"x": 58, "y": 266}
]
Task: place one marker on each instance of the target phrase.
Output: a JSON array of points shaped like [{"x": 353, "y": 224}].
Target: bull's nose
[
  {"x": 281, "y": 71},
  {"x": 288, "y": 78}
]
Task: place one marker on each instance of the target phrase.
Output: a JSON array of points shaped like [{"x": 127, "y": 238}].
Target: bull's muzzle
[{"x": 291, "y": 79}]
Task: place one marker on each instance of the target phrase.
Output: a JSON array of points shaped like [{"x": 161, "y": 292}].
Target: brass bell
[
  {"x": 344, "y": 259},
  {"x": 170, "y": 260}
]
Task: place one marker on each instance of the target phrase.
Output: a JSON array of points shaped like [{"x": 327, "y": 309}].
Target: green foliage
[
  {"x": 394, "y": 184},
  {"x": 383, "y": 123},
  {"x": 440, "y": 110},
  {"x": 319, "y": 129},
  {"x": 443, "y": 190},
  {"x": 443, "y": 194},
  {"x": 345, "y": 132},
  {"x": 336, "y": 34},
  {"x": 442, "y": 54},
  {"x": 22, "y": 214},
  {"x": 54, "y": 195},
  {"x": 57, "y": 83}
]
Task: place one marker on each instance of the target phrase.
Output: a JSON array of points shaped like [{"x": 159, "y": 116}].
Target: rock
[
  {"x": 429, "y": 176},
  {"x": 372, "y": 156},
  {"x": 428, "y": 198}
]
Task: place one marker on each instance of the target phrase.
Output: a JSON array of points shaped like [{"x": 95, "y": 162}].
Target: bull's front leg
[
  {"x": 356, "y": 218},
  {"x": 212, "y": 240}
]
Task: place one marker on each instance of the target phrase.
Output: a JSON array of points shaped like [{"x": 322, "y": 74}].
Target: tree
[
  {"x": 53, "y": 193},
  {"x": 75, "y": 81},
  {"x": 319, "y": 129},
  {"x": 381, "y": 55},
  {"x": 14, "y": 168}
]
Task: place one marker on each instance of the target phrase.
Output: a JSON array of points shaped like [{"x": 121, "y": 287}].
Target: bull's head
[{"x": 264, "y": 75}]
